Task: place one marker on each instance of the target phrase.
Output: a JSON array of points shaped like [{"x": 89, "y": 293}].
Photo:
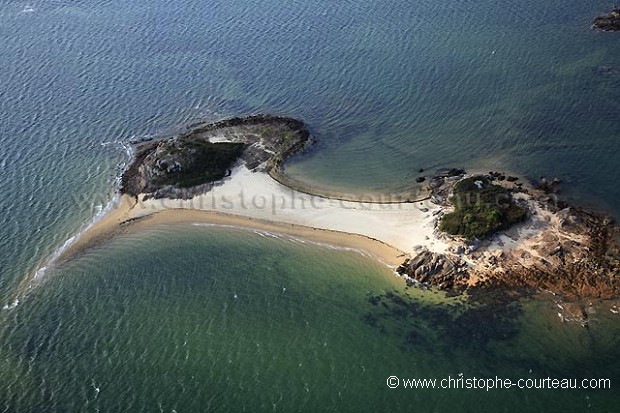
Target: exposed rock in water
[
  {"x": 546, "y": 186},
  {"x": 449, "y": 172},
  {"x": 436, "y": 269},
  {"x": 609, "y": 22},
  {"x": 607, "y": 70},
  {"x": 190, "y": 163}
]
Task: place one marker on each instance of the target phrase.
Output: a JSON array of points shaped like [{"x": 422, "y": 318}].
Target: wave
[
  {"x": 298, "y": 240},
  {"x": 11, "y": 306},
  {"x": 100, "y": 212},
  {"x": 40, "y": 272}
]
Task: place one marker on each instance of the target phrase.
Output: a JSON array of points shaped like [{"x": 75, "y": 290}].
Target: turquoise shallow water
[
  {"x": 387, "y": 88},
  {"x": 238, "y": 321}
]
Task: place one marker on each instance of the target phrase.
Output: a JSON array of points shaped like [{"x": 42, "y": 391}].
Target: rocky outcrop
[
  {"x": 609, "y": 22},
  {"x": 440, "y": 270},
  {"x": 570, "y": 251},
  {"x": 582, "y": 259},
  {"x": 192, "y": 162}
]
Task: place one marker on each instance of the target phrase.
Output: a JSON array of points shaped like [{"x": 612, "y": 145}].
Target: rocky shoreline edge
[
  {"x": 566, "y": 250},
  {"x": 265, "y": 142},
  {"x": 609, "y": 22}
]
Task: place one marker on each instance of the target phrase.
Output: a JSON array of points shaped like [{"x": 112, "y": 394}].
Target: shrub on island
[
  {"x": 200, "y": 161},
  {"x": 481, "y": 208}
]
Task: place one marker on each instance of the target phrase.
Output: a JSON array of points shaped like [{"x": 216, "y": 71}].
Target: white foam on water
[
  {"x": 11, "y": 306},
  {"x": 259, "y": 232},
  {"x": 294, "y": 239},
  {"x": 129, "y": 154},
  {"x": 100, "y": 213},
  {"x": 268, "y": 234},
  {"x": 128, "y": 149},
  {"x": 207, "y": 225}
]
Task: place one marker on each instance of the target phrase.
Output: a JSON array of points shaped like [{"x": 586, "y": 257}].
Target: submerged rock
[{"x": 449, "y": 172}]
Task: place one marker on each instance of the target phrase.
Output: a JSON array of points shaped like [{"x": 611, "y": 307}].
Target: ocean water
[
  {"x": 232, "y": 320},
  {"x": 388, "y": 88}
]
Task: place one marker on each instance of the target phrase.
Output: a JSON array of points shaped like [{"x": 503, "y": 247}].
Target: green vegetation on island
[
  {"x": 481, "y": 208},
  {"x": 190, "y": 163},
  {"x": 203, "y": 162}
]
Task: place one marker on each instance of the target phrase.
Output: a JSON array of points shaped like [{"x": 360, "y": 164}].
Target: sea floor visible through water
[{"x": 235, "y": 319}]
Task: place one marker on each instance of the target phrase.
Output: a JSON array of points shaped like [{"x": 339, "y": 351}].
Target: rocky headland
[
  {"x": 506, "y": 234},
  {"x": 609, "y": 22}
]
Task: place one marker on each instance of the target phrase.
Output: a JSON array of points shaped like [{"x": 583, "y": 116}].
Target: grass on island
[
  {"x": 209, "y": 162},
  {"x": 481, "y": 209}
]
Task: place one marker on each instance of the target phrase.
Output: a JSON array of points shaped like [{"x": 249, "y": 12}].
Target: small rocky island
[
  {"x": 192, "y": 162},
  {"x": 609, "y": 22},
  {"x": 510, "y": 236}
]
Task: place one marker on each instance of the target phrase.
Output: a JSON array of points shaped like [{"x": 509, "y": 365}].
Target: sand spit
[{"x": 255, "y": 200}]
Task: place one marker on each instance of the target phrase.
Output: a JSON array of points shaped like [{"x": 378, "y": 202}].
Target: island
[
  {"x": 511, "y": 235},
  {"x": 609, "y": 22},
  {"x": 189, "y": 164},
  {"x": 465, "y": 233}
]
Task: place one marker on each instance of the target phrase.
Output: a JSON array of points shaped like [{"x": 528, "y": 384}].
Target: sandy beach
[
  {"x": 249, "y": 199},
  {"x": 388, "y": 232}
]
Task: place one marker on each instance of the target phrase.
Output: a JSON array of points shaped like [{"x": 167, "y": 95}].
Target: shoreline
[
  {"x": 388, "y": 233},
  {"x": 403, "y": 234},
  {"x": 255, "y": 194},
  {"x": 417, "y": 194},
  {"x": 255, "y": 200},
  {"x": 379, "y": 250}
]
